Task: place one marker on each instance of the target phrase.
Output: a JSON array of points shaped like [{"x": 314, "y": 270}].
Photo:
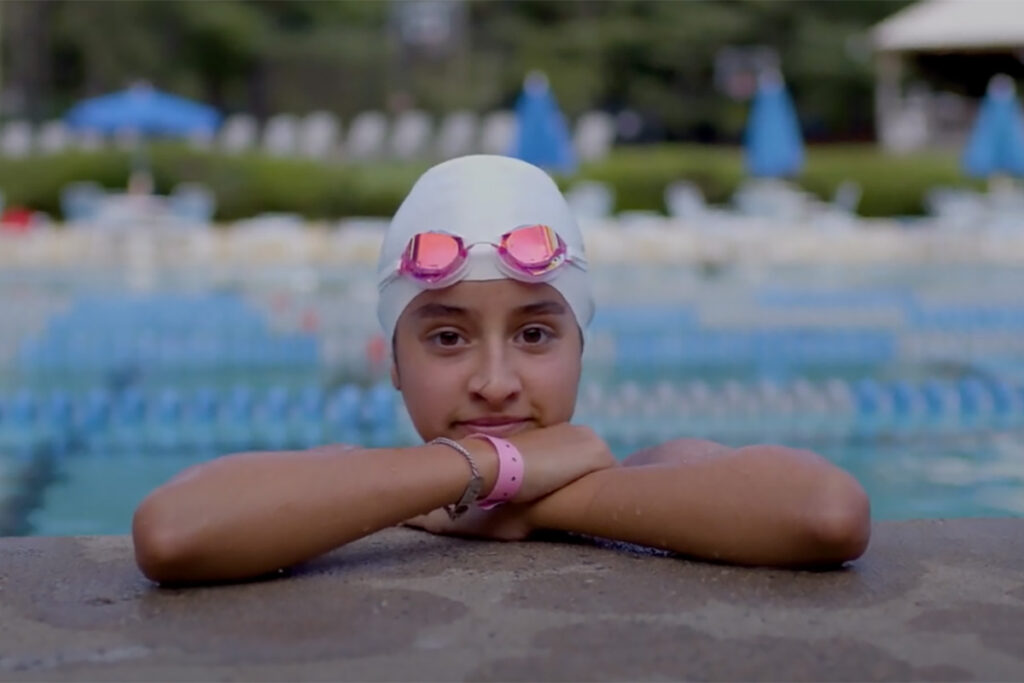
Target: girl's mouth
[{"x": 499, "y": 427}]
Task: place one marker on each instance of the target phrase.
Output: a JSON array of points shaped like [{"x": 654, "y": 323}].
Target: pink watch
[{"x": 510, "y": 472}]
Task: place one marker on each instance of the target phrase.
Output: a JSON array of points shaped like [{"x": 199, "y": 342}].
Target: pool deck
[{"x": 931, "y": 600}]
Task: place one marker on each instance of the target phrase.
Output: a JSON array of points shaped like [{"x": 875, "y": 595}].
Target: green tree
[{"x": 267, "y": 56}]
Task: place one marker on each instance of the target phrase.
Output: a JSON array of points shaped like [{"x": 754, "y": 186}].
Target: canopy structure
[
  {"x": 953, "y": 25},
  {"x": 145, "y": 110},
  {"x": 996, "y": 144},
  {"x": 971, "y": 40},
  {"x": 542, "y": 134},
  {"x": 773, "y": 145}
]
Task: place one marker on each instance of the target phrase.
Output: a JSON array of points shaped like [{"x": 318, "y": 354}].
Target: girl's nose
[{"x": 496, "y": 380}]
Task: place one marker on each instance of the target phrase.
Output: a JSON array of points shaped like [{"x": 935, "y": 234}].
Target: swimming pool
[{"x": 910, "y": 378}]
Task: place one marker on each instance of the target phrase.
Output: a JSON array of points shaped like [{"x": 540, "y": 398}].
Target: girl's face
[{"x": 493, "y": 356}]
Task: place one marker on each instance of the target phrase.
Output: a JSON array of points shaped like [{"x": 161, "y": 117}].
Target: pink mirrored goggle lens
[
  {"x": 532, "y": 250},
  {"x": 433, "y": 253},
  {"x": 533, "y": 247}
]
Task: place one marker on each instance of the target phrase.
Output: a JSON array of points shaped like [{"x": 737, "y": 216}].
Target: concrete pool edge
[{"x": 931, "y": 600}]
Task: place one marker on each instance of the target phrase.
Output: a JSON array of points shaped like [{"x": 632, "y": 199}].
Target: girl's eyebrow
[
  {"x": 542, "y": 308},
  {"x": 435, "y": 310}
]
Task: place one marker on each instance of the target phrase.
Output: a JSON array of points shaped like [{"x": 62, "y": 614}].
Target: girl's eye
[
  {"x": 535, "y": 335},
  {"x": 446, "y": 338}
]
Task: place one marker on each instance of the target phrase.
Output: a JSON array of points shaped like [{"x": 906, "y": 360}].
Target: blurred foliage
[
  {"x": 891, "y": 185},
  {"x": 267, "y": 56},
  {"x": 250, "y": 184}
]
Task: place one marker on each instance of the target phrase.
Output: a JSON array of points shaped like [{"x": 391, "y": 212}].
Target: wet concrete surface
[{"x": 930, "y": 601}]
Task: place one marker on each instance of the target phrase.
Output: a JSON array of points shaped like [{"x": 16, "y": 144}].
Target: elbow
[
  {"x": 839, "y": 521},
  {"x": 162, "y": 551}
]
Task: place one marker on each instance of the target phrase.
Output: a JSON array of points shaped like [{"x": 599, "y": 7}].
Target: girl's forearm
[
  {"x": 755, "y": 506},
  {"x": 248, "y": 514}
]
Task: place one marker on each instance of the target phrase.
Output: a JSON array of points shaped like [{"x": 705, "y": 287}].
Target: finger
[{"x": 418, "y": 522}]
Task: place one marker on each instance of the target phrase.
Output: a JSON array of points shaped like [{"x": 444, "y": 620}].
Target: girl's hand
[
  {"x": 556, "y": 456},
  {"x": 553, "y": 457},
  {"x": 509, "y": 522}
]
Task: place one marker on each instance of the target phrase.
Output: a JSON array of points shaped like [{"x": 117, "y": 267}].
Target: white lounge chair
[
  {"x": 238, "y": 134},
  {"x": 366, "y": 136},
  {"x": 410, "y": 135},
  {"x": 497, "y": 131},
  {"x": 591, "y": 199},
  {"x": 457, "y": 134},
  {"x": 595, "y": 133},
  {"x": 281, "y": 135},
  {"x": 16, "y": 140},
  {"x": 318, "y": 135},
  {"x": 53, "y": 137}
]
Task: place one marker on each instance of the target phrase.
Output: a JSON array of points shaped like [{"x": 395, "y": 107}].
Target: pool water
[
  {"x": 912, "y": 380},
  {"x": 907, "y": 478}
]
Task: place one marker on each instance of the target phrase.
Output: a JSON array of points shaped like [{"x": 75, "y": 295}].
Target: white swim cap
[{"x": 480, "y": 198}]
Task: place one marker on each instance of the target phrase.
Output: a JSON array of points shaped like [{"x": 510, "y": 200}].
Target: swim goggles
[{"x": 529, "y": 253}]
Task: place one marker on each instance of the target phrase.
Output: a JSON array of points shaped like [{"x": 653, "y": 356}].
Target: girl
[{"x": 484, "y": 294}]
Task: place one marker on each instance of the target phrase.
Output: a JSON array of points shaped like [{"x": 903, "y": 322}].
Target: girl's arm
[
  {"x": 248, "y": 514},
  {"x": 757, "y": 505},
  {"x": 676, "y": 452},
  {"x": 244, "y": 515}
]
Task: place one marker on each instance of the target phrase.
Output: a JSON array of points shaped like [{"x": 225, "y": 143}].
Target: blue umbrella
[
  {"x": 146, "y": 110},
  {"x": 773, "y": 144},
  {"x": 542, "y": 136},
  {"x": 996, "y": 144}
]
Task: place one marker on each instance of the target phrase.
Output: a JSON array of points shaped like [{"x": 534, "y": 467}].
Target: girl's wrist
[
  {"x": 486, "y": 459},
  {"x": 510, "y": 472}
]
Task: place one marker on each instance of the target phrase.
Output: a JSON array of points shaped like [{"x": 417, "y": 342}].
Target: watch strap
[
  {"x": 476, "y": 481},
  {"x": 510, "y": 472}
]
